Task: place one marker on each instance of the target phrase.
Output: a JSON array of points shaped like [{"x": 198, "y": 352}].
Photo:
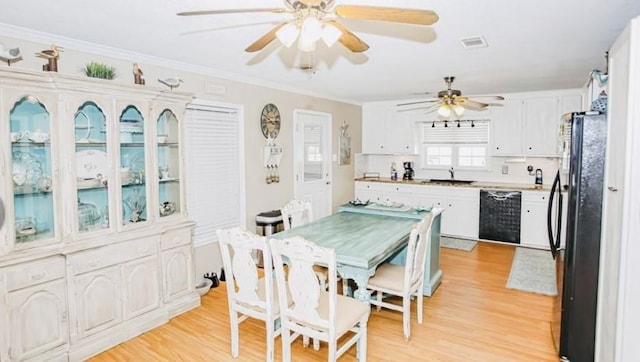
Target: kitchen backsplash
[{"x": 517, "y": 169}]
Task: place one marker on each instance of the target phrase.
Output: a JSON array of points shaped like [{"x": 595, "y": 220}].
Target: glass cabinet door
[
  {"x": 168, "y": 164},
  {"x": 133, "y": 177},
  {"x": 31, "y": 167},
  {"x": 91, "y": 168}
]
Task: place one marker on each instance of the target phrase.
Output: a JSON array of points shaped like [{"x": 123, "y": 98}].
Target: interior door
[{"x": 312, "y": 160}]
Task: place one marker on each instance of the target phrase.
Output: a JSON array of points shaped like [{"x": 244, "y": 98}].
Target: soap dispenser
[{"x": 538, "y": 178}]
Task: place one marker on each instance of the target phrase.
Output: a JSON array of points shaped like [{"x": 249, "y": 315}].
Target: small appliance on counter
[
  {"x": 538, "y": 178},
  {"x": 408, "y": 171}
]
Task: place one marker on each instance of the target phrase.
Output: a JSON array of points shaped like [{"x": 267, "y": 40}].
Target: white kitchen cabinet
[
  {"x": 92, "y": 180},
  {"x": 37, "y": 310},
  {"x": 541, "y": 122},
  {"x": 177, "y": 273},
  {"x": 98, "y": 301},
  {"x": 387, "y": 131},
  {"x": 527, "y": 125},
  {"x": 461, "y": 205},
  {"x": 533, "y": 219},
  {"x": 506, "y": 128},
  {"x": 141, "y": 280},
  {"x": 462, "y": 212}
]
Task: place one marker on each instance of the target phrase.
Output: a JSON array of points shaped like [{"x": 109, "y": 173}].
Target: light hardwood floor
[{"x": 471, "y": 317}]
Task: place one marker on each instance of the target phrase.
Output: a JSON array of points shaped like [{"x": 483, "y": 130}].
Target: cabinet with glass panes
[{"x": 92, "y": 181}]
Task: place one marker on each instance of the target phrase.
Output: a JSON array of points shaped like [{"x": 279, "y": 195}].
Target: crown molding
[{"x": 35, "y": 36}]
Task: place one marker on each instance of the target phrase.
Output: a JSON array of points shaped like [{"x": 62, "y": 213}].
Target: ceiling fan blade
[
  {"x": 233, "y": 11},
  {"x": 497, "y": 98},
  {"x": 264, "y": 40},
  {"x": 398, "y": 15},
  {"x": 473, "y": 105},
  {"x": 419, "y": 102},
  {"x": 426, "y": 108},
  {"x": 349, "y": 39}
]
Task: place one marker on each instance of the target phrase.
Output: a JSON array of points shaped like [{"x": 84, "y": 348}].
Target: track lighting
[
  {"x": 472, "y": 125},
  {"x": 458, "y": 124},
  {"x": 433, "y": 124}
]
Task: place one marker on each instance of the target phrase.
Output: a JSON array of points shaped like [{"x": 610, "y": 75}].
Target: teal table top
[{"x": 361, "y": 239}]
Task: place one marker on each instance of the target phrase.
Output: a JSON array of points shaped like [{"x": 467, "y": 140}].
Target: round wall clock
[{"x": 270, "y": 121}]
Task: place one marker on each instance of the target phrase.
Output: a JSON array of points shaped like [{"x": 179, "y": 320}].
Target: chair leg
[
  {"x": 406, "y": 317},
  {"x": 234, "y": 333},
  {"x": 361, "y": 346},
  {"x": 420, "y": 301},
  {"x": 333, "y": 349},
  {"x": 270, "y": 341},
  {"x": 285, "y": 335},
  {"x": 316, "y": 344},
  {"x": 305, "y": 341},
  {"x": 345, "y": 287},
  {"x": 379, "y": 297}
]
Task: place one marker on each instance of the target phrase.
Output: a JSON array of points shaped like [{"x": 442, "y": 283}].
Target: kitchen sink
[{"x": 449, "y": 181}]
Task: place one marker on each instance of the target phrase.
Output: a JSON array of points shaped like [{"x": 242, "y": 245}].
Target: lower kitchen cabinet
[
  {"x": 461, "y": 205},
  {"x": 36, "y": 311},
  {"x": 533, "y": 219},
  {"x": 98, "y": 300},
  {"x": 141, "y": 280},
  {"x": 177, "y": 274}
]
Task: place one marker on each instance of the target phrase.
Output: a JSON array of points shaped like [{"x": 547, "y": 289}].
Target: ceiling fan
[
  {"x": 316, "y": 19},
  {"x": 452, "y": 100}
]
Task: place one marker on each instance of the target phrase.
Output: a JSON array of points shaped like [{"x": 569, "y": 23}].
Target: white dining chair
[
  {"x": 297, "y": 213},
  {"x": 309, "y": 309},
  {"x": 249, "y": 295},
  {"x": 387, "y": 276}
]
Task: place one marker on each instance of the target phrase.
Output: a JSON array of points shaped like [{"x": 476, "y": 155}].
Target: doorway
[{"x": 312, "y": 160}]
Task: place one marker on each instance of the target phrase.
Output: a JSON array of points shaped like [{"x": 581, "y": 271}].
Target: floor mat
[
  {"x": 534, "y": 271},
  {"x": 455, "y": 243}
]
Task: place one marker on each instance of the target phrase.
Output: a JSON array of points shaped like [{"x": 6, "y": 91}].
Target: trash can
[{"x": 267, "y": 223}]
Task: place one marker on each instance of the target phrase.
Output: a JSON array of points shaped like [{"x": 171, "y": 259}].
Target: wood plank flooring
[{"x": 471, "y": 317}]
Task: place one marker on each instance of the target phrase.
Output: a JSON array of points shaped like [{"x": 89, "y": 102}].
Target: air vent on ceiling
[{"x": 473, "y": 42}]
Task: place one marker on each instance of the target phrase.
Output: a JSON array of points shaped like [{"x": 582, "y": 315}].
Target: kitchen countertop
[{"x": 479, "y": 184}]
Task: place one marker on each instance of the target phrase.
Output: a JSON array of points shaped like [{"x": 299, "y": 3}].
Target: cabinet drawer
[
  {"x": 534, "y": 196},
  {"x": 373, "y": 186},
  {"x": 85, "y": 261},
  {"x": 175, "y": 238},
  {"x": 36, "y": 272}
]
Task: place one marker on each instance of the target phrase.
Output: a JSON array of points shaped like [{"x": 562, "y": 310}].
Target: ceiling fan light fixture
[
  {"x": 444, "y": 110},
  {"x": 458, "y": 109},
  {"x": 288, "y": 34},
  {"x": 330, "y": 34}
]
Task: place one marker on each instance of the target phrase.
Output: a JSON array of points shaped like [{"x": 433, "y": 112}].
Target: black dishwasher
[{"x": 500, "y": 215}]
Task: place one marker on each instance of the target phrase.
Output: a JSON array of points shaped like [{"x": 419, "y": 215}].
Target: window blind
[
  {"x": 465, "y": 134},
  {"x": 212, "y": 150}
]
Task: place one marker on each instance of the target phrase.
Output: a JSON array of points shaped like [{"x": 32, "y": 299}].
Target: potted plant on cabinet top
[{"x": 99, "y": 70}]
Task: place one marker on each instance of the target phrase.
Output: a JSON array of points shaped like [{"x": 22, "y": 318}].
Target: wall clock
[{"x": 270, "y": 121}]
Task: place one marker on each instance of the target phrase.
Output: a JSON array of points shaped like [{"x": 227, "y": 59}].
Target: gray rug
[
  {"x": 455, "y": 243},
  {"x": 534, "y": 271}
]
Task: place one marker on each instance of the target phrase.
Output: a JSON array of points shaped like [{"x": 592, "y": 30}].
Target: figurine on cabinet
[
  {"x": 52, "y": 56},
  {"x": 137, "y": 74}
]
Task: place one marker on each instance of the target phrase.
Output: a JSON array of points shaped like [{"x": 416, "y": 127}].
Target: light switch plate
[{"x": 505, "y": 169}]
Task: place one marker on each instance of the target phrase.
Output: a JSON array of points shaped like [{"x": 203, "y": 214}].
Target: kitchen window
[{"x": 454, "y": 144}]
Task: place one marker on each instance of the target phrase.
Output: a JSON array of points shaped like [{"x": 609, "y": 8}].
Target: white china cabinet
[{"x": 96, "y": 246}]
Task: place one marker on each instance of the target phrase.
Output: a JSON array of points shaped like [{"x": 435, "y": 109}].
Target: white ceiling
[{"x": 533, "y": 44}]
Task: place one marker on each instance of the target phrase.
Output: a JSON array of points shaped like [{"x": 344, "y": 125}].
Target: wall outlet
[{"x": 505, "y": 169}]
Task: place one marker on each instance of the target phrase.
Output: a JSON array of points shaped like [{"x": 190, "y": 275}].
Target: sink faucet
[{"x": 452, "y": 173}]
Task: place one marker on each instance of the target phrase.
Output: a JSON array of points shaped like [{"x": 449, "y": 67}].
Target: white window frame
[
  {"x": 455, "y": 143},
  {"x": 203, "y": 178}
]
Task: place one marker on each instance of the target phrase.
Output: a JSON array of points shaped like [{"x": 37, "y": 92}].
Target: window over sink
[{"x": 454, "y": 144}]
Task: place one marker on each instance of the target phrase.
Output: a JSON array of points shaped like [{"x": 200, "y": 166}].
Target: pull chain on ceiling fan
[
  {"x": 452, "y": 101},
  {"x": 316, "y": 19}
]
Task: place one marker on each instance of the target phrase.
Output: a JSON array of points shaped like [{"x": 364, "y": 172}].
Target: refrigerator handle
[
  {"x": 559, "y": 221},
  {"x": 552, "y": 242}
]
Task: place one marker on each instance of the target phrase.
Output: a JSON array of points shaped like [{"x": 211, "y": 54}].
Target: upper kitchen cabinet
[
  {"x": 386, "y": 130},
  {"x": 86, "y": 158},
  {"x": 528, "y": 124},
  {"x": 32, "y": 191}
]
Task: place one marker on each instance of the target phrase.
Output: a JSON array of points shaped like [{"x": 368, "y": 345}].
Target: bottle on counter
[{"x": 394, "y": 172}]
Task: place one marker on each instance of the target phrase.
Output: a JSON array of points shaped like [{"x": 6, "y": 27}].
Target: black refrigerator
[{"x": 574, "y": 317}]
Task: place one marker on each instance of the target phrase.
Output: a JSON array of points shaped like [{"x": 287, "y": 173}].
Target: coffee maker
[{"x": 408, "y": 171}]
